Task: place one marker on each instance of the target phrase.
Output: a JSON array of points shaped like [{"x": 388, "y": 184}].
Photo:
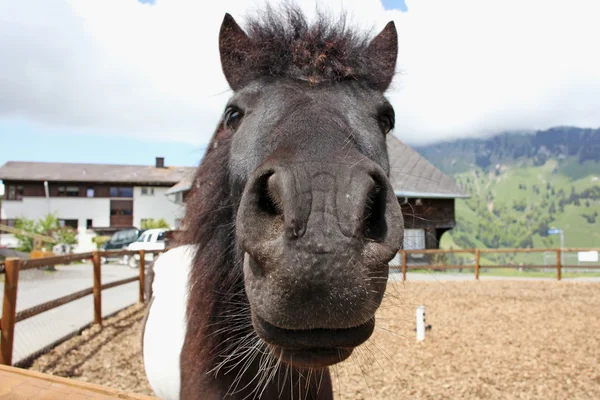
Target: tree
[
  {"x": 47, "y": 226},
  {"x": 100, "y": 240},
  {"x": 66, "y": 235},
  {"x": 26, "y": 243},
  {"x": 155, "y": 224}
]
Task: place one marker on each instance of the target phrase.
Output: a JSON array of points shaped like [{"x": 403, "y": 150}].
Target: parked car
[
  {"x": 152, "y": 239},
  {"x": 120, "y": 240}
]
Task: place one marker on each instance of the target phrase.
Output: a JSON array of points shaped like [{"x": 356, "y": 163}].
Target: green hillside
[{"x": 521, "y": 185}]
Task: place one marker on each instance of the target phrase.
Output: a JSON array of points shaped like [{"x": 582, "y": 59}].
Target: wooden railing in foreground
[
  {"x": 404, "y": 267},
  {"x": 18, "y": 383},
  {"x": 13, "y": 266}
]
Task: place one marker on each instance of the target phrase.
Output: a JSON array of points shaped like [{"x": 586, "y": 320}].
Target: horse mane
[
  {"x": 214, "y": 281},
  {"x": 209, "y": 218},
  {"x": 284, "y": 44}
]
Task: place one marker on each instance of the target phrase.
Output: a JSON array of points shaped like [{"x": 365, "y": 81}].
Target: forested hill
[
  {"x": 558, "y": 143},
  {"x": 522, "y": 184}
]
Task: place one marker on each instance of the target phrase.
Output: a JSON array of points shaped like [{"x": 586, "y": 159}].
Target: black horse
[{"x": 291, "y": 221}]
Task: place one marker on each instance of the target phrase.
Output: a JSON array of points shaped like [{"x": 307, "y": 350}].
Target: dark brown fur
[{"x": 282, "y": 45}]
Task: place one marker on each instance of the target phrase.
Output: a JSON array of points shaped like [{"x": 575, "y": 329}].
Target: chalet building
[
  {"x": 425, "y": 193},
  {"x": 91, "y": 198}
]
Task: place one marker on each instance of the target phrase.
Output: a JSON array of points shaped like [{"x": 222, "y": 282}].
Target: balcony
[{"x": 121, "y": 220}]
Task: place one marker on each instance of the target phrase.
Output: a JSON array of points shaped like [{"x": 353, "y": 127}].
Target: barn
[{"x": 426, "y": 194}]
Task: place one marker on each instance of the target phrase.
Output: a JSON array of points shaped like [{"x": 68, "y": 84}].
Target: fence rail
[
  {"x": 404, "y": 267},
  {"x": 13, "y": 266}
]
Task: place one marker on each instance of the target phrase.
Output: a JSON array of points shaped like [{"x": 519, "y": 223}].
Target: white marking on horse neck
[{"x": 165, "y": 329}]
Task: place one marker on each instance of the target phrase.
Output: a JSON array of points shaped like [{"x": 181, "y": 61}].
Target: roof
[
  {"x": 183, "y": 185},
  {"x": 75, "y": 172},
  {"x": 412, "y": 175}
]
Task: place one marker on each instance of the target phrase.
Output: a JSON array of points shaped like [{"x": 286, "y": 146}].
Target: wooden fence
[
  {"x": 13, "y": 266},
  {"x": 404, "y": 267}
]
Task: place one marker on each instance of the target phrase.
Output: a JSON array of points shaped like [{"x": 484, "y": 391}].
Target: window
[
  {"x": 15, "y": 192},
  {"x": 121, "y": 212},
  {"x": 8, "y": 222},
  {"x": 179, "y": 197},
  {"x": 160, "y": 237},
  {"x": 117, "y": 237},
  {"x": 147, "y": 191},
  {"x": 89, "y": 224},
  {"x": 72, "y": 223},
  {"x": 72, "y": 191},
  {"x": 121, "y": 191},
  {"x": 125, "y": 192},
  {"x": 414, "y": 239},
  {"x": 90, "y": 192},
  {"x": 68, "y": 191},
  {"x": 131, "y": 235}
]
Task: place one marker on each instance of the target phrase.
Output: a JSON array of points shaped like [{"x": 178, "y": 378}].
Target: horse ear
[
  {"x": 383, "y": 51},
  {"x": 234, "y": 47}
]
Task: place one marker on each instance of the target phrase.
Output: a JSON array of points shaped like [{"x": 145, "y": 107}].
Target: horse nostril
[
  {"x": 375, "y": 227},
  {"x": 268, "y": 201}
]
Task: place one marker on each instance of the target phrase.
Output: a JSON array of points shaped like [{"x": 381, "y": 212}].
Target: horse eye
[
  {"x": 233, "y": 117},
  {"x": 386, "y": 123}
]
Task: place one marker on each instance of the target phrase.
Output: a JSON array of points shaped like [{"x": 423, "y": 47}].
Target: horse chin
[{"x": 312, "y": 348}]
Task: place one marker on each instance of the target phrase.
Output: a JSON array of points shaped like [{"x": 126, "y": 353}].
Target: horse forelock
[{"x": 285, "y": 44}]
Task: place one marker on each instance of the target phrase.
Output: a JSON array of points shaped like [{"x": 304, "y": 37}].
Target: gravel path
[{"x": 489, "y": 340}]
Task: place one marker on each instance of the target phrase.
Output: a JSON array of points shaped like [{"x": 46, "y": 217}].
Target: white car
[{"x": 152, "y": 239}]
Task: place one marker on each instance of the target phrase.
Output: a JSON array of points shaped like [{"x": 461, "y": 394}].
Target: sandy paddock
[{"x": 489, "y": 340}]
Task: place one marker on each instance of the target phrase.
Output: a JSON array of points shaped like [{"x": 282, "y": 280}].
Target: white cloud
[
  {"x": 474, "y": 67},
  {"x": 467, "y": 67}
]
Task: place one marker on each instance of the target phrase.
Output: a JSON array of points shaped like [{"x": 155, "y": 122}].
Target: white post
[{"x": 420, "y": 323}]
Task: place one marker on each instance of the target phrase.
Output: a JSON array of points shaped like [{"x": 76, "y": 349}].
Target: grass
[{"x": 524, "y": 183}]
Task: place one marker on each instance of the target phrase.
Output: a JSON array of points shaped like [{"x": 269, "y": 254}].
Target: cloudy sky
[{"x": 125, "y": 80}]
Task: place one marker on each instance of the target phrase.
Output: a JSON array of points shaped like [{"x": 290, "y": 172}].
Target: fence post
[
  {"x": 403, "y": 265},
  {"x": 558, "y": 265},
  {"x": 97, "y": 289},
  {"x": 142, "y": 275},
  {"x": 477, "y": 264},
  {"x": 9, "y": 309}
]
